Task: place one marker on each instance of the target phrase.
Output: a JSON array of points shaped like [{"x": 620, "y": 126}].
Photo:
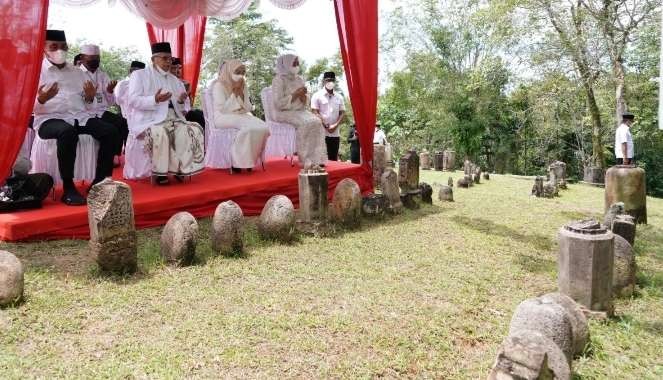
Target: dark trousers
[
  {"x": 67, "y": 141},
  {"x": 355, "y": 156},
  {"x": 332, "y": 147},
  {"x": 196, "y": 116},
  {"x": 120, "y": 123}
]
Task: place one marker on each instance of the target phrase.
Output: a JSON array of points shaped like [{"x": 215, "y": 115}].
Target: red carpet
[{"x": 153, "y": 205}]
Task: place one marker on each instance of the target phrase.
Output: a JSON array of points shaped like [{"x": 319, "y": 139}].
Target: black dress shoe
[
  {"x": 73, "y": 198},
  {"x": 161, "y": 180},
  {"x": 236, "y": 170}
]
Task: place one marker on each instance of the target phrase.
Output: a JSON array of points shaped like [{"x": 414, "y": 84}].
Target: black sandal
[{"x": 161, "y": 180}]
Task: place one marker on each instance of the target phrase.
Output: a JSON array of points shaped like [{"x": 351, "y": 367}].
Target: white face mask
[
  {"x": 57, "y": 57},
  {"x": 330, "y": 85},
  {"x": 161, "y": 71},
  {"x": 237, "y": 77},
  {"x": 294, "y": 70}
]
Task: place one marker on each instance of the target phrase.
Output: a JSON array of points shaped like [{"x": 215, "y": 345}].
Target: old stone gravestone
[{"x": 112, "y": 226}]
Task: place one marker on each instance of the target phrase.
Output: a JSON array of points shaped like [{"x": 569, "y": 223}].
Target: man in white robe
[
  {"x": 156, "y": 101},
  {"x": 121, "y": 91}
]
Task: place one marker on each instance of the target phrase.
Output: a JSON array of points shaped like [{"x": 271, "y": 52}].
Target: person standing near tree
[
  {"x": 624, "y": 140},
  {"x": 329, "y": 106}
]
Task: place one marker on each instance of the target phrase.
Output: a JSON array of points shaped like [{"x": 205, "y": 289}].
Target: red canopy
[{"x": 22, "y": 39}]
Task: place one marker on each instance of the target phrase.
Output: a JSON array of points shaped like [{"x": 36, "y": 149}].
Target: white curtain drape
[{"x": 169, "y": 14}]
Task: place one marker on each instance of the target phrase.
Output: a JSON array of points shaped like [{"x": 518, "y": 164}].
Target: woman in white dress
[
  {"x": 290, "y": 99},
  {"x": 232, "y": 109}
]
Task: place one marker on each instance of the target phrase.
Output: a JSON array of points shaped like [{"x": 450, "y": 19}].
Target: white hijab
[{"x": 284, "y": 63}]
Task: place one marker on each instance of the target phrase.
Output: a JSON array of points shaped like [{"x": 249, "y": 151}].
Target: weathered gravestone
[
  {"x": 313, "y": 202},
  {"x": 548, "y": 318},
  {"x": 379, "y": 164},
  {"x": 612, "y": 212},
  {"x": 557, "y": 170},
  {"x": 446, "y": 194},
  {"x": 627, "y": 184},
  {"x": 623, "y": 276},
  {"x": 277, "y": 219},
  {"x": 112, "y": 226},
  {"x": 463, "y": 182},
  {"x": 486, "y": 176},
  {"x": 426, "y": 193},
  {"x": 408, "y": 179},
  {"x": 624, "y": 226},
  {"x": 438, "y": 162},
  {"x": 346, "y": 204},
  {"x": 391, "y": 191},
  {"x": 449, "y": 160},
  {"x": 537, "y": 189},
  {"x": 227, "y": 229},
  {"x": 529, "y": 355},
  {"x": 477, "y": 175},
  {"x": 450, "y": 182},
  {"x": 11, "y": 278},
  {"x": 594, "y": 175},
  {"x": 585, "y": 264},
  {"x": 374, "y": 205},
  {"x": 550, "y": 190},
  {"x": 178, "y": 239},
  {"x": 425, "y": 160}
]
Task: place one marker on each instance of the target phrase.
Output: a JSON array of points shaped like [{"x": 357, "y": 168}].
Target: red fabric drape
[
  {"x": 357, "y": 23},
  {"x": 186, "y": 43},
  {"x": 22, "y": 45}
]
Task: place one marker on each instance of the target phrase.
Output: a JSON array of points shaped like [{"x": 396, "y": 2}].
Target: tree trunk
[
  {"x": 620, "y": 89},
  {"x": 597, "y": 144}
]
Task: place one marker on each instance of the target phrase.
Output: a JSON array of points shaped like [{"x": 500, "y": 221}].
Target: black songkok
[
  {"x": 161, "y": 47},
  {"x": 55, "y": 35}
]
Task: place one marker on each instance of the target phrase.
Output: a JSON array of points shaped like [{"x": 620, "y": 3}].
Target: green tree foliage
[
  {"x": 251, "y": 39},
  {"x": 517, "y": 84}
]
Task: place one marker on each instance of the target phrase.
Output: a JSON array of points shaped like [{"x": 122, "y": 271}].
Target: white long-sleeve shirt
[
  {"x": 144, "y": 111},
  {"x": 69, "y": 103},
  {"x": 104, "y": 99},
  {"x": 121, "y": 93}
]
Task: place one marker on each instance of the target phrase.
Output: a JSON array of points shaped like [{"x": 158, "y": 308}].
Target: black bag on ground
[{"x": 24, "y": 192}]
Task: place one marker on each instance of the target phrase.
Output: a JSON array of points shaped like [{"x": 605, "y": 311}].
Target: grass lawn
[{"x": 426, "y": 294}]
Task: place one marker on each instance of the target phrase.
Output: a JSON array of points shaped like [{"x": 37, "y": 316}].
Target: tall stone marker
[
  {"x": 408, "y": 179},
  {"x": 438, "y": 162},
  {"x": 227, "y": 229},
  {"x": 112, "y": 226},
  {"x": 313, "y": 201},
  {"x": 425, "y": 160},
  {"x": 558, "y": 170},
  {"x": 449, "y": 160},
  {"x": 626, "y": 183},
  {"x": 389, "y": 183},
  {"x": 585, "y": 263},
  {"x": 379, "y": 163}
]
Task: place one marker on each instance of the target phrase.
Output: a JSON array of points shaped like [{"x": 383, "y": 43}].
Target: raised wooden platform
[{"x": 154, "y": 205}]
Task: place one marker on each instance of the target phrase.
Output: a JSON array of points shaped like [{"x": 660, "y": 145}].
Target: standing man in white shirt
[
  {"x": 624, "y": 140},
  {"x": 379, "y": 137},
  {"x": 329, "y": 106},
  {"x": 62, "y": 112},
  {"x": 90, "y": 60}
]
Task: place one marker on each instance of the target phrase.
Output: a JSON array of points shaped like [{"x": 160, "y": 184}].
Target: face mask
[
  {"x": 294, "y": 70},
  {"x": 237, "y": 77},
  {"x": 160, "y": 70},
  {"x": 92, "y": 65},
  {"x": 329, "y": 85},
  {"x": 57, "y": 57}
]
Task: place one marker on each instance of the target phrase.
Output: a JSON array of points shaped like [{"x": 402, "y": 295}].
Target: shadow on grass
[
  {"x": 536, "y": 264},
  {"x": 540, "y": 242}
]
